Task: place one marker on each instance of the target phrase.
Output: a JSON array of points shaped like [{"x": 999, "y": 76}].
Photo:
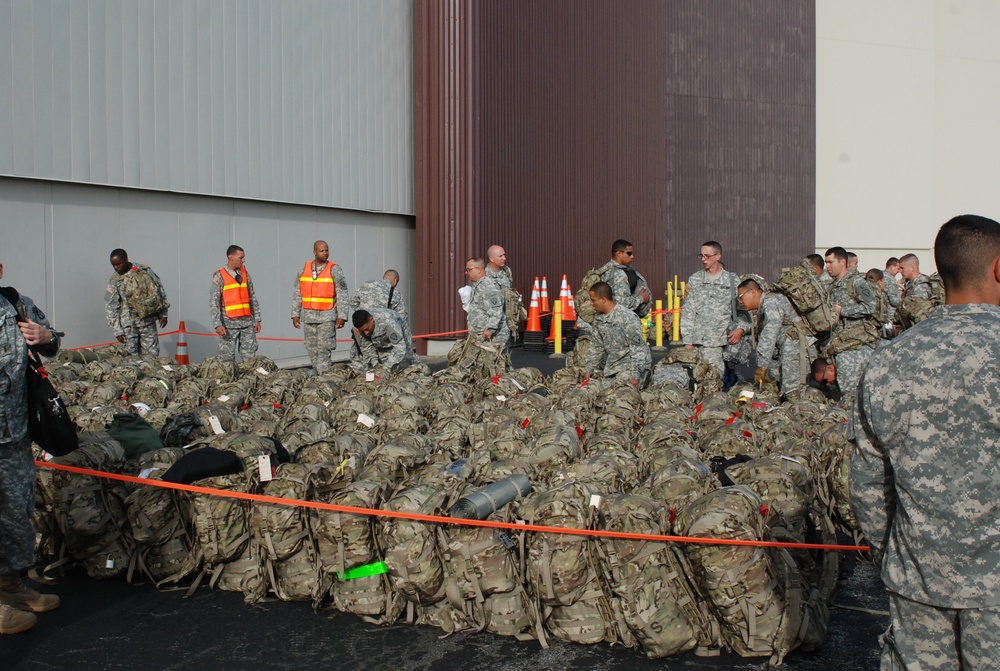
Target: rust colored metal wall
[
  {"x": 741, "y": 133},
  {"x": 553, "y": 127}
]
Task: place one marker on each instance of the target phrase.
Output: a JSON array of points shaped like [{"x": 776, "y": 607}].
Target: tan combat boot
[
  {"x": 16, "y": 594},
  {"x": 14, "y": 621}
]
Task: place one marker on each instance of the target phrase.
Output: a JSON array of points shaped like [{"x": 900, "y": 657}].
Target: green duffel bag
[{"x": 134, "y": 434}]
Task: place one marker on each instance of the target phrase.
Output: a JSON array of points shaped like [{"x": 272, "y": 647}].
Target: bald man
[{"x": 319, "y": 305}]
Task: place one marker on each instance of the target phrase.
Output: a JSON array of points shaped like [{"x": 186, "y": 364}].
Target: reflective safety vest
[
  {"x": 317, "y": 293},
  {"x": 236, "y": 295}
]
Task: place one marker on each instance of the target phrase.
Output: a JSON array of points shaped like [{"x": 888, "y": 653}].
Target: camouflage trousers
[
  {"x": 17, "y": 504},
  {"x": 713, "y": 355},
  {"x": 934, "y": 639},
  {"x": 238, "y": 338},
  {"x": 787, "y": 369},
  {"x": 321, "y": 340},
  {"x": 142, "y": 339},
  {"x": 850, "y": 365}
]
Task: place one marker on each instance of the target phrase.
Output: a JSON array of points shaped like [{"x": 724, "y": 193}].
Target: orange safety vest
[
  {"x": 318, "y": 293},
  {"x": 235, "y": 295}
]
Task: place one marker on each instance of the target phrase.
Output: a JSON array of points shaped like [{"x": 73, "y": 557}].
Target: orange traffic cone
[
  {"x": 534, "y": 314},
  {"x": 182, "y": 345},
  {"x": 545, "y": 295},
  {"x": 564, "y": 298},
  {"x": 569, "y": 314}
]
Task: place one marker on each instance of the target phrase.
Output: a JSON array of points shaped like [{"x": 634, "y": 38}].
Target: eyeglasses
[
  {"x": 622, "y": 251},
  {"x": 468, "y": 270},
  {"x": 707, "y": 256},
  {"x": 739, "y": 297}
]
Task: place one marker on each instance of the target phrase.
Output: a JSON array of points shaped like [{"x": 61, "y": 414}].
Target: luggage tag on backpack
[
  {"x": 264, "y": 468},
  {"x": 262, "y": 371},
  {"x": 216, "y": 425},
  {"x": 516, "y": 384},
  {"x": 369, "y": 376},
  {"x": 366, "y": 420},
  {"x": 166, "y": 367},
  {"x": 109, "y": 563}
]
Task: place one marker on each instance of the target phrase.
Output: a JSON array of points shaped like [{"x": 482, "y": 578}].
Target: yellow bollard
[
  {"x": 659, "y": 324},
  {"x": 557, "y": 334},
  {"x": 670, "y": 299},
  {"x": 677, "y": 314}
]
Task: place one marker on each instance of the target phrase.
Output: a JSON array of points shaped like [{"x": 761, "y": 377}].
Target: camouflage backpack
[
  {"x": 914, "y": 309},
  {"x": 143, "y": 293},
  {"x": 653, "y": 598},
  {"x": 581, "y": 301},
  {"x": 91, "y": 512},
  {"x": 800, "y": 285}
]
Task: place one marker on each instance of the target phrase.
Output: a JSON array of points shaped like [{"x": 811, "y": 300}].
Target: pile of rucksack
[{"x": 681, "y": 457}]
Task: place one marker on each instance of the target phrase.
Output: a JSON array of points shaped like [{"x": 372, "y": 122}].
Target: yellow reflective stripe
[
  {"x": 318, "y": 300},
  {"x": 237, "y": 307},
  {"x": 227, "y": 287},
  {"x": 318, "y": 279}
]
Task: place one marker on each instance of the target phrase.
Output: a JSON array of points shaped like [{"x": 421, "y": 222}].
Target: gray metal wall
[
  {"x": 57, "y": 238},
  {"x": 307, "y": 102}
]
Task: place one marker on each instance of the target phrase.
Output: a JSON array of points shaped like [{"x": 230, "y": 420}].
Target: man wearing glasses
[
  {"x": 711, "y": 317},
  {"x": 486, "y": 318},
  {"x": 629, "y": 287}
]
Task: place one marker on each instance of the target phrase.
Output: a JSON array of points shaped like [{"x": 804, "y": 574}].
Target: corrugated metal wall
[
  {"x": 305, "y": 102},
  {"x": 554, "y": 127},
  {"x": 741, "y": 128}
]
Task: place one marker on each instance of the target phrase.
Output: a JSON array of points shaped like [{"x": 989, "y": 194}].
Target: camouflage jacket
[
  {"x": 616, "y": 276},
  {"x": 893, "y": 294},
  {"x": 13, "y": 360},
  {"x": 389, "y": 345},
  {"x": 618, "y": 347},
  {"x": 340, "y": 301},
  {"x": 919, "y": 286},
  {"x": 217, "y": 308},
  {"x": 927, "y": 458},
  {"x": 116, "y": 308},
  {"x": 486, "y": 311},
  {"x": 375, "y": 294},
  {"x": 503, "y": 277},
  {"x": 856, "y": 301},
  {"x": 774, "y": 317},
  {"x": 709, "y": 308}
]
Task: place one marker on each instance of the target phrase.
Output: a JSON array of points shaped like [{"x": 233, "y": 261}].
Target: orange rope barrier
[{"x": 436, "y": 519}]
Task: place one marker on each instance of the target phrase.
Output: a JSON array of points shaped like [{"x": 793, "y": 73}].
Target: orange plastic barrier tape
[{"x": 435, "y": 519}]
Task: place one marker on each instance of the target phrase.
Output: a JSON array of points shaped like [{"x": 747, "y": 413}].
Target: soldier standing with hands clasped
[
  {"x": 319, "y": 305},
  {"x": 234, "y": 307}
]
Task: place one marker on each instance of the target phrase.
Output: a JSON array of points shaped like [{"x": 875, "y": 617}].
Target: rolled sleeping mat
[
  {"x": 482, "y": 503},
  {"x": 80, "y": 355}
]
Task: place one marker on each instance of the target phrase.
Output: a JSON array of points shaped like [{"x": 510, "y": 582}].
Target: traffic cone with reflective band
[
  {"x": 569, "y": 314},
  {"x": 182, "y": 346},
  {"x": 534, "y": 314},
  {"x": 564, "y": 298},
  {"x": 545, "y": 295}
]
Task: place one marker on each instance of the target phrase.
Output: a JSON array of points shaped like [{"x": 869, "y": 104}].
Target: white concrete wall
[
  {"x": 57, "y": 238},
  {"x": 908, "y": 100}
]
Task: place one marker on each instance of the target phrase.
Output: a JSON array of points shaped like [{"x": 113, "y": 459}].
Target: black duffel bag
[{"x": 49, "y": 423}]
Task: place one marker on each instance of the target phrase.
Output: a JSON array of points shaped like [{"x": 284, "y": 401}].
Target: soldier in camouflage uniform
[
  {"x": 239, "y": 332},
  {"x": 854, "y": 303},
  {"x": 917, "y": 284},
  {"x": 22, "y": 325},
  {"x": 630, "y": 288},
  {"x": 784, "y": 351},
  {"x": 139, "y": 335},
  {"x": 710, "y": 315},
  {"x": 497, "y": 269},
  {"x": 324, "y": 309},
  {"x": 383, "y": 341},
  {"x": 892, "y": 289},
  {"x": 486, "y": 316},
  {"x": 926, "y": 464},
  {"x": 617, "y": 347},
  {"x": 381, "y": 294}
]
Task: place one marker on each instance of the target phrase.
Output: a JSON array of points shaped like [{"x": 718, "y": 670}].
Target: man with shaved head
[
  {"x": 381, "y": 294},
  {"x": 498, "y": 270},
  {"x": 917, "y": 284},
  {"x": 926, "y": 464},
  {"x": 319, "y": 305}
]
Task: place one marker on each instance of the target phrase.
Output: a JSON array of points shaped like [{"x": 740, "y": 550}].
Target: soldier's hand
[
  {"x": 838, "y": 309},
  {"x": 163, "y": 322},
  {"x": 688, "y": 346},
  {"x": 221, "y": 330},
  {"x": 36, "y": 334},
  {"x": 487, "y": 335},
  {"x": 644, "y": 293},
  {"x": 735, "y": 336},
  {"x": 760, "y": 376},
  {"x": 633, "y": 382},
  {"x": 296, "y": 322},
  {"x": 256, "y": 327},
  {"x": 120, "y": 338},
  {"x": 340, "y": 323}
]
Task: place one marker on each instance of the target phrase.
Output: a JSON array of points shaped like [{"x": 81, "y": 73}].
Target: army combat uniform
[
  {"x": 625, "y": 292},
  {"x": 390, "y": 345},
  {"x": 379, "y": 294},
  {"x": 854, "y": 296},
  {"x": 919, "y": 287},
  {"x": 618, "y": 347},
  {"x": 923, "y": 485},
  {"x": 140, "y": 334},
  {"x": 486, "y": 313},
  {"x": 782, "y": 347},
  {"x": 709, "y": 308},
  {"x": 319, "y": 328},
  {"x": 17, "y": 464},
  {"x": 239, "y": 330}
]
